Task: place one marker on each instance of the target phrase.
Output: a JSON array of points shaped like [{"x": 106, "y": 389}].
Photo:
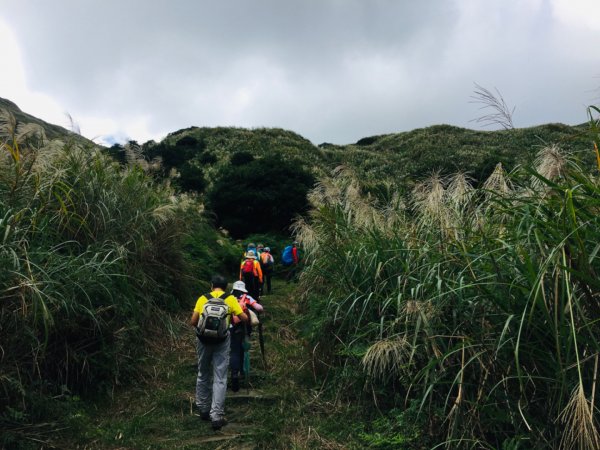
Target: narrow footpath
[{"x": 277, "y": 407}]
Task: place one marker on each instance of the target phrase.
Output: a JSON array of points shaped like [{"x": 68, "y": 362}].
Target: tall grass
[
  {"x": 91, "y": 253},
  {"x": 479, "y": 305}
]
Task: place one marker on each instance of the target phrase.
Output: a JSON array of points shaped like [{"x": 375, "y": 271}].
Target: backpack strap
[
  {"x": 243, "y": 299},
  {"x": 209, "y": 296}
]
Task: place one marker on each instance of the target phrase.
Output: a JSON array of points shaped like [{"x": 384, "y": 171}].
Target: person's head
[
  {"x": 251, "y": 245},
  {"x": 239, "y": 288},
  {"x": 295, "y": 243},
  {"x": 250, "y": 255},
  {"x": 259, "y": 246},
  {"x": 218, "y": 282},
  {"x": 267, "y": 249}
]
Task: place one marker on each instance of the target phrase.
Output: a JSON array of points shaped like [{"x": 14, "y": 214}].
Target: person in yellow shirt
[{"x": 214, "y": 352}]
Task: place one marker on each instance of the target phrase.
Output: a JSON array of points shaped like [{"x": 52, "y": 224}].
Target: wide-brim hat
[
  {"x": 250, "y": 255},
  {"x": 239, "y": 286}
]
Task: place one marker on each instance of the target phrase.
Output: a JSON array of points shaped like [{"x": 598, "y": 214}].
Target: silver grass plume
[
  {"x": 551, "y": 164},
  {"x": 135, "y": 157},
  {"x": 459, "y": 195},
  {"x": 498, "y": 183},
  {"x": 579, "y": 429},
  {"x": 429, "y": 204},
  {"x": 386, "y": 358}
]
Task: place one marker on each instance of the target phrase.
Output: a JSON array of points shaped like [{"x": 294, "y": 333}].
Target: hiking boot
[
  {"x": 205, "y": 415},
  {"x": 235, "y": 383},
  {"x": 218, "y": 424}
]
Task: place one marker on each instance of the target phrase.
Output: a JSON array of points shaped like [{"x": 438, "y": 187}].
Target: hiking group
[
  {"x": 223, "y": 324},
  {"x": 256, "y": 269}
]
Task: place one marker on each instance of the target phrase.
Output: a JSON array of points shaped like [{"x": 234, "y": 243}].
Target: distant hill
[
  {"x": 399, "y": 157},
  {"x": 413, "y": 155},
  {"x": 402, "y": 158},
  {"x": 52, "y": 131}
]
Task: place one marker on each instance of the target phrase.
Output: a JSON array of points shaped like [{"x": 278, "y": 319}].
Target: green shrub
[
  {"x": 191, "y": 178},
  {"x": 241, "y": 158},
  {"x": 259, "y": 197}
]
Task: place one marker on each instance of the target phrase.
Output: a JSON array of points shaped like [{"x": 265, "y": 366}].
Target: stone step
[
  {"x": 218, "y": 438},
  {"x": 252, "y": 394}
]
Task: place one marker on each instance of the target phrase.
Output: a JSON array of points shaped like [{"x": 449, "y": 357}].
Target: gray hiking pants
[{"x": 216, "y": 355}]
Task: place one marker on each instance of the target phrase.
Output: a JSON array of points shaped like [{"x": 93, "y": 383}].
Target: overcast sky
[{"x": 331, "y": 70}]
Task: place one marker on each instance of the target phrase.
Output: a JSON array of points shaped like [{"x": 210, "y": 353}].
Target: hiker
[
  {"x": 259, "y": 251},
  {"x": 266, "y": 263},
  {"x": 251, "y": 248},
  {"x": 211, "y": 318},
  {"x": 290, "y": 258},
  {"x": 240, "y": 331},
  {"x": 251, "y": 274}
]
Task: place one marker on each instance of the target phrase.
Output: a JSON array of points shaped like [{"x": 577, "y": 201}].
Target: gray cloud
[{"x": 331, "y": 70}]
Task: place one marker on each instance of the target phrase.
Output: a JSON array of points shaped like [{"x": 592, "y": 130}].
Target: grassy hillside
[
  {"x": 403, "y": 157},
  {"x": 225, "y": 141},
  {"x": 52, "y": 131},
  {"x": 413, "y": 155}
]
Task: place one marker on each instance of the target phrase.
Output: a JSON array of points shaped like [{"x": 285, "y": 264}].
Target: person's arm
[
  {"x": 259, "y": 271},
  {"x": 252, "y": 303},
  {"x": 197, "y": 310},
  {"x": 256, "y": 306}
]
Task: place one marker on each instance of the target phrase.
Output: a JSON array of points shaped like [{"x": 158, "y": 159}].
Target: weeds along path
[{"x": 277, "y": 407}]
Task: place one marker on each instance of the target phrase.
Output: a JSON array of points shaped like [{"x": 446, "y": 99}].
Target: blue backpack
[{"x": 286, "y": 256}]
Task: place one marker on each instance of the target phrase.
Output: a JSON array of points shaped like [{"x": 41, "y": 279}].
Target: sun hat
[
  {"x": 239, "y": 286},
  {"x": 250, "y": 255},
  {"x": 267, "y": 249}
]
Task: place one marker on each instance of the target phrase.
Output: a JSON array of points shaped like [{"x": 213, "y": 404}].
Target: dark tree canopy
[
  {"x": 187, "y": 141},
  {"x": 241, "y": 158},
  {"x": 191, "y": 178},
  {"x": 261, "y": 196},
  {"x": 176, "y": 155},
  {"x": 117, "y": 152}
]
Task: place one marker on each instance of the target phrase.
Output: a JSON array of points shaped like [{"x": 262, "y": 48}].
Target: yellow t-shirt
[{"x": 230, "y": 301}]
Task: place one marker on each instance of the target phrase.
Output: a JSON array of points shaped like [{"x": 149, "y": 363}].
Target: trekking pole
[
  {"x": 246, "y": 359},
  {"x": 261, "y": 341},
  {"x": 247, "y": 369}
]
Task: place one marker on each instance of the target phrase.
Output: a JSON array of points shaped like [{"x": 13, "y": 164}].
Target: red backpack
[{"x": 248, "y": 266}]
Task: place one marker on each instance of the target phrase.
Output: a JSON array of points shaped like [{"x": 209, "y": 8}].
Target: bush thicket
[
  {"x": 477, "y": 307},
  {"x": 261, "y": 196},
  {"x": 92, "y": 254}
]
